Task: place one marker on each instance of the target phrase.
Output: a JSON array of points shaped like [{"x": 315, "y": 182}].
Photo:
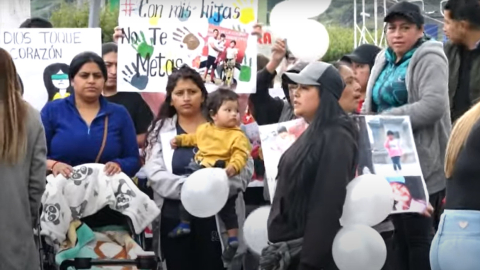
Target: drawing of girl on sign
[{"x": 55, "y": 78}]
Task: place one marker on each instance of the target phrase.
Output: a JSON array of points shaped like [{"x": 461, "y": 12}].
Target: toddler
[{"x": 221, "y": 143}]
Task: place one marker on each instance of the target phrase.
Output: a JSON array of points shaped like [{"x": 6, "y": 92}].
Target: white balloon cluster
[
  {"x": 357, "y": 245},
  {"x": 307, "y": 39}
]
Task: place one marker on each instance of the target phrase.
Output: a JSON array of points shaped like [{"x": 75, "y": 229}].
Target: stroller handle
[{"x": 141, "y": 262}]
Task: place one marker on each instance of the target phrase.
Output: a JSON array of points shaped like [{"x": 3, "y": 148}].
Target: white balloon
[
  {"x": 205, "y": 192},
  {"x": 308, "y": 40},
  {"x": 281, "y": 16},
  {"x": 359, "y": 247},
  {"x": 309, "y": 9},
  {"x": 369, "y": 201},
  {"x": 255, "y": 230}
]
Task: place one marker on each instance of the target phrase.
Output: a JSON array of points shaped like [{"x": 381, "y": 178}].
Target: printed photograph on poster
[
  {"x": 224, "y": 52},
  {"x": 42, "y": 58},
  {"x": 160, "y": 36},
  {"x": 408, "y": 193},
  {"x": 387, "y": 148},
  {"x": 275, "y": 140},
  {"x": 251, "y": 129}
]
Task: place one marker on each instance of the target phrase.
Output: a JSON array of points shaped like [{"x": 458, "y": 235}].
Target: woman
[
  {"x": 22, "y": 169},
  {"x": 137, "y": 108},
  {"x": 350, "y": 101},
  {"x": 265, "y": 108},
  {"x": 410, "y": 78},
  {"x": 313, "y": 175},
  {"x": 351, "y": 94},
  {"x": 457, "y": 242},
  {"x": 86, "y": 128},
  {"x": 167, "y": 168},
  {"x": 362, "y": 60}
]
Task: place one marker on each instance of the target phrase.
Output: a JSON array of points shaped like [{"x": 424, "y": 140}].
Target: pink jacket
[{"x": 393, "y": 148}]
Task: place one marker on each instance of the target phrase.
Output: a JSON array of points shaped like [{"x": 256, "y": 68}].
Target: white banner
[{"x": 42, "y": 58}]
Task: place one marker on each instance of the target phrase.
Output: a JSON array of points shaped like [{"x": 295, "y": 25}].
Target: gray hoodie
[
  {"x": 428, "y": 108},
  {"x": 158, "y": 169}
]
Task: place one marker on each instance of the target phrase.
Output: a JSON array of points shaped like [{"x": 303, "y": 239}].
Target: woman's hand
[
  {"x": 428, "y": 211},
  {"x": 112, "y": 168},
  {"x": 62, "y": 168},
  {"x": 230, "y": 170},
  {"x": 173, "y": 143},
  {"x": 117, "y": 34}
]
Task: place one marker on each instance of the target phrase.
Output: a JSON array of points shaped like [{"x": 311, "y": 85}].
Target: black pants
[
  {"x": 396, "y": 163},
  {"x": 412, "y": 239},
  {"x": 228, "y": 214},
  {"x": 201, "y": 249},
  {"x": 210, "y": 63},
  {"x": 389, "y": 243},
  {"x": 437, "y": 204}
]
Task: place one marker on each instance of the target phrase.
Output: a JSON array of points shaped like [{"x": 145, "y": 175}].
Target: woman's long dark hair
[
  {"x": 298, "y": 165},
  {"x": 167, "y": 110}
]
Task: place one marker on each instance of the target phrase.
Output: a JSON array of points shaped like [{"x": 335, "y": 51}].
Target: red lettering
[{"x": 267, "y": 38}]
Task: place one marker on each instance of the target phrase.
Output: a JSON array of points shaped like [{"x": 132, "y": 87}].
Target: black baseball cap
[
  {"x": 318, "y": 74},
  {"x": 363, "y": 54},
  {"x": 407, "y": 10}
]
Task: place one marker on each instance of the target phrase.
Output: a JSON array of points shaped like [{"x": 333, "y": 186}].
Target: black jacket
[
  {"x": 453, "y": 53},
  {"x": 336, "y": 168}
]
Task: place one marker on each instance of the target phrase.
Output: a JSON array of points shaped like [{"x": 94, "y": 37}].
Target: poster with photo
[
  {"x": 275, "y": 140},
  {"x": 160, "y": 35},
  {"x": 387, "y": 148},
  {"x": 42, "y": 58},
  {"x": 252, "y": 131}
]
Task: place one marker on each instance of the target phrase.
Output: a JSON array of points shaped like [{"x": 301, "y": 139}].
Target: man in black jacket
[{"x": 462, "y": 27}]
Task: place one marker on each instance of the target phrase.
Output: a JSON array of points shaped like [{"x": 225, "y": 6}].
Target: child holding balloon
[{"x": 221, "y": 143}]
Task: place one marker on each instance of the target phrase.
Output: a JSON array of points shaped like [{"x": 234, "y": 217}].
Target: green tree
[
  {"x": 341, "y": 42},
  {"x": 71, "y": 16}
]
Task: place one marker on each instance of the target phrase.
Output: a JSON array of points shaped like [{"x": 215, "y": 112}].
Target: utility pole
[{"x": 94, "y": 16}]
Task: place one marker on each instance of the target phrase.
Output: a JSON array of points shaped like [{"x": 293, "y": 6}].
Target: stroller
[
  {"x": 101, "y": 230},
  {"x": 105, "y": 217}
]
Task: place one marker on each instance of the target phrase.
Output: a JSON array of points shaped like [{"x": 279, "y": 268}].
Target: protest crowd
[{"x": 174, "y": 179}]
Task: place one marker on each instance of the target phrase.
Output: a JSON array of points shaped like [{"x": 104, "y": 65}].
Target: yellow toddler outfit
[{"x": 216, "y": 143}]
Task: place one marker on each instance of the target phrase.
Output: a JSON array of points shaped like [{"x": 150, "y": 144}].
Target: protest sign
[
  {"x": 160, "y": 35},
  {"x": 275, "y": 140},
  {"x": 42, "y": 58},
  {"x": 387, "y": 148}
]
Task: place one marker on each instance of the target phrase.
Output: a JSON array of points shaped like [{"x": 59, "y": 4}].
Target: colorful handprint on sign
[
  {"x": 144, "y": 49},
  {"x": 247, "y": 11},
  {"x": 186, "y": 38},
  {"x": 216, "y": 19},
  {"x": 246, "y": 70},
  {"x": 154, "y": 20},
  {"x": 134, "y": 78}
]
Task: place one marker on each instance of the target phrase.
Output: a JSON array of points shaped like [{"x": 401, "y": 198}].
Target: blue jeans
[{"x": 457, "y": 242}]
